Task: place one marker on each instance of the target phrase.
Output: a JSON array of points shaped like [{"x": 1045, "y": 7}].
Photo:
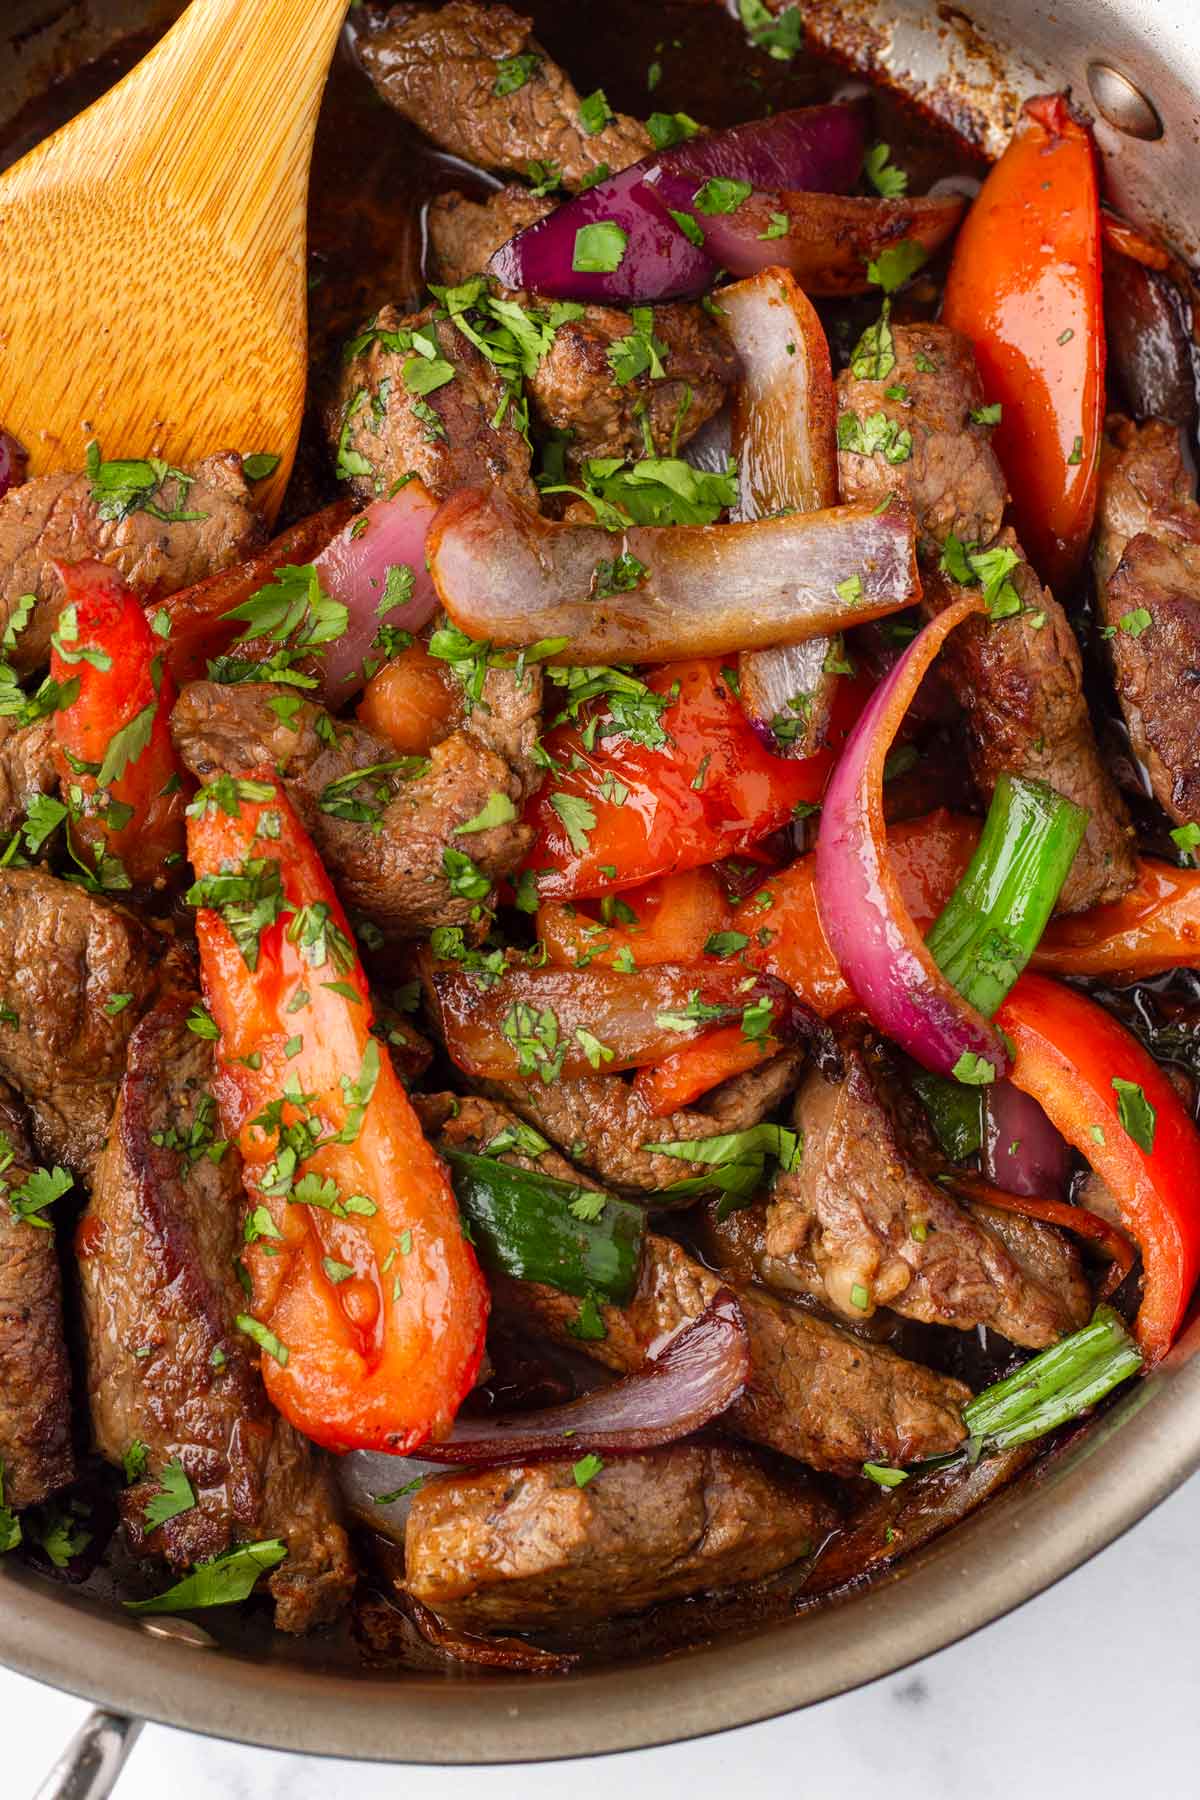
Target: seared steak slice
[
  {"x": 862, "y": 1225},
  {"x": 1152, "y": 607},
  {"x": 1144, "y": 486},
  {"x": 454, "y": 436},
  {"x": 1018, "y": 679},
  {"x": 526, "y": 1547},
  {"x": 75, "y": 977},
  {"x": 600, "y": 1121},
  {"x": 475, "y": 81},
  {"x": 950, "y": 477},
  {"x": 36, "y": 1457},
  {"x": 1147, "y": 557},
  {"x": 27, "y": 768},
  {"x": 464, "y": 233},
  {"x": 576, "y": 389},
  {"x": 54, "y": 517},
  {"x": 816, "y": 1392},
  {"x": 166, "y": 1366},
  {"x": 390, "y": 866}
]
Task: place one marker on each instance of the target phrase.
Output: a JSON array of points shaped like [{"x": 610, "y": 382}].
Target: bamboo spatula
[{"x": 152, "y": 279}]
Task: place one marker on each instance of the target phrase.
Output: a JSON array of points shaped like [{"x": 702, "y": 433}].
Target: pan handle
[{"x": 89, "y": 1766}]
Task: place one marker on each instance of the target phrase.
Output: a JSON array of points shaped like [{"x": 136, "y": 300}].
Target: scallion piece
[
  {"x": 1055, "y": 1386},
  {"x": 537, "y": 1228},
  {"x": 992, "y": 921}
]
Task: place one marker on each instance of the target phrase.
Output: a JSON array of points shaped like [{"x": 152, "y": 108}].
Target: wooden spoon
[{"x": 152, "y": 252}]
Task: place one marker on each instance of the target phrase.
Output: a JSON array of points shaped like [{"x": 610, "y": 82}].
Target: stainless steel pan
[{"x": 1136, "y": 63}]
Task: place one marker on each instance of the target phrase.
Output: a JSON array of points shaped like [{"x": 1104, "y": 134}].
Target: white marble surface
[{"x": 1090, "y": 1691}]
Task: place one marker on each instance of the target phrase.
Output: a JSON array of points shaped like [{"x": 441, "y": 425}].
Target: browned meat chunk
[
  {"x": 600, "y": 1121},
  {"x": 1152, "y": 606},
  {"x": 464, "y": 233},
  {"x": 55, "y": 517},
  {"x": 527, "y": 1547},
  {"x": 1148, "y": 569},
  {"x": 397, "y": 865},
  {"x": 474, "y": 79},
  {"x": 75, "y": 977},
  {"x": 816, "y": 1392},
  {"x": 454, "y": 435},
  {"x": 167, "y": 1368},
  {"x": 929, "y": 449},
  {"x": 862, "y": 1225},
  {"x": 26, "y": 768},
  {"x": 579, "y": 389},
  {"x": 36, "y": 1457},
  {"x": 1018, "y": 679},
  {"x": 1144, "y": 486}
]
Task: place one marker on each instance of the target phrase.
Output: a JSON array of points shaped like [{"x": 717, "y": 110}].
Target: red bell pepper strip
[
  {"x": 366, "y": 1297},
  {"x": 614, "y": 813},
  {"x": 669, "y": 920},
  {"x": 1110, "y": 1099},
  {"x": 682, "y": 1077},
  {"x": 112, "y": 743},
  {"x": 1154, "y": 927},
  {"x": 783, "y": 926},
  {"x": 1025, "y": 287}
]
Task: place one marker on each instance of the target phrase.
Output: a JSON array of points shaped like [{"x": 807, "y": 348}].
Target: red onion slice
[
  {"x": 815, "y": 148},
  {"x": 870, "y": 930},
  {"x": 828, "y": 239},
  {"x": 1023, "y": 1153},
  {"x": 14, "y": 460},
  {"x": 504, "y": 573},
  {"x": 353, "y": 568},
  {"x": 691, "y": 1380},
  {"x": 785, "y": 444}
]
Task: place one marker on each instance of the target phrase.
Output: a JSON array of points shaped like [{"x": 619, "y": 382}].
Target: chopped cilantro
[{"x": 599, "y": 248}]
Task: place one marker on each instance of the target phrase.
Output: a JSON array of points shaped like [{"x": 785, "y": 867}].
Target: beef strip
[
  {"x": 1019, "y": 679},
  {"x": 36, "y": 1457},
  {"x": 441, "y": 71},
  {"x": 27, "y": 768},
  {"x": 861, "y": 1223},
  {"x": 166, "y": 1365},
  {"x": 458, "y": 435},
  {"x": 525, "y": 1548},
  {"x": 602, "y": 1122},
  {"x": 816, "y": 1392},
  {"x": 1147, "y": 556},
  {"x": 576, "y": 390},
  {"x": 65, "y": 956},
  {"x": 951, "y": 479},
  {"x": 54, "y": 517},
  {"x": 463, "y": 234},
  {"x": 394, "y": 874},
  {"x": 1144, "y": 486}
]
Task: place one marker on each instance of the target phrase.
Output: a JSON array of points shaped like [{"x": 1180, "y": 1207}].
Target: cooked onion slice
[
  {"x": 1022, "y": 1151},
  {"x": 563, "y": 1022},
  {"x": 785, "y": 445},
  {"x": 692, "y": 1379},
  {"x": 354, "y": 568},
  {"x": 870, "y": 930},
  {"x": 506, "y": 574},
  {"x": 829, "y": 240}
]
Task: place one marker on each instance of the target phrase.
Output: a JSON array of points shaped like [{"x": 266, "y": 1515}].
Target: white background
[{"x": 1091, "y": 1691}]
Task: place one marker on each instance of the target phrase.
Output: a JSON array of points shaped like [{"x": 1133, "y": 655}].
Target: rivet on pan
[
  {"x": 179, "y": 1631},
  {"x": 1124, "y": 106}
]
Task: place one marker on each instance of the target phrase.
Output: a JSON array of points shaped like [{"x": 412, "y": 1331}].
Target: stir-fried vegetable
[
  {"x": 663, "y": 775},
  {"x": 672, "y": 919},
  {"x": 1055, "y": 1386},
  {"x": 998, "y": 911},
  {"x": 506, "y": 574},
  {"x": 1155, "y": 926},
  {"x": 366, "y": 1299},
  {"x": 1025, "y": 287},
  {"x": 537, "y": 1228},
  {"x": 1109, "y": 1098},
  {"x": 119, "y": 774},
  {"x": 683, "y": 1075}
]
